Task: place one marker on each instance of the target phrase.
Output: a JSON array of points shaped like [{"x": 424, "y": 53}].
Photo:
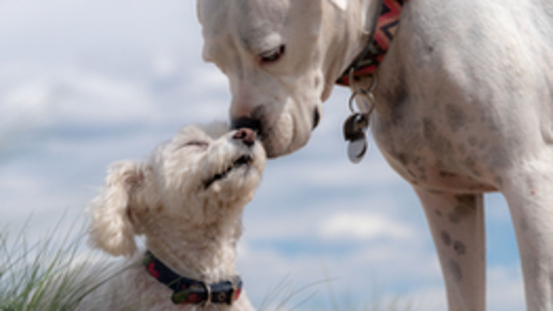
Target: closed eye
[
  {"x": 196, "y": 143},
  {"x": 272, "y": 55}
]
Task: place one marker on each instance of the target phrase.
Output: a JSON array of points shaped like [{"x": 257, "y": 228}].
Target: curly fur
[{"x": 191, "y": 227}]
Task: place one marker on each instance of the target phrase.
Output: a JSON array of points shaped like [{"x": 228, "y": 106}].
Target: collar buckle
[
  {"x": 208, "y": 294},
  {"x": 232, "y": 294},
  {"x": 191, "y": 291}
]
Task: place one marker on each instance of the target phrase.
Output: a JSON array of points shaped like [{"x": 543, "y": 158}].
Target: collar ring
[{"x": 368, "y": 92}]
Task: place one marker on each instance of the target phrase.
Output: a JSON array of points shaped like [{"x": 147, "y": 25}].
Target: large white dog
[{"x": 463, "y": 106}]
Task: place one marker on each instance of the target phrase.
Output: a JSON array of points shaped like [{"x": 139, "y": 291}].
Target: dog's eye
[
  {"x": 196, "y": 143},
  {"x": 273, "y": 55}
]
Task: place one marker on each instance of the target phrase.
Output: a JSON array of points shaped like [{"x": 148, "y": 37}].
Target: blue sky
[{"x": 86, "y": 83}]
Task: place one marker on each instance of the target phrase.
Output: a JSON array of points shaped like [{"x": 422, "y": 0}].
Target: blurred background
[{"x": 89, "y": 82}]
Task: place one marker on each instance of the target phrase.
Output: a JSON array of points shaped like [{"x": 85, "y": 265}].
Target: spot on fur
[
  {"x": 446, "y": 174},
  {"x": 455, "y": 270},
  {"x": 459, "y": 247},
  {"x": 456, "y": 117},
  {"x": 446, "y": 238},
  {"x": 437, "y": 143},
  {"x": 467, "y": 200}
]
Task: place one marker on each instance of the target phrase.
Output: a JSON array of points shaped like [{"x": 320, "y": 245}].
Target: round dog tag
[
  {"x": 357, "y": 149},
  {"x": 355, "y": 126}
]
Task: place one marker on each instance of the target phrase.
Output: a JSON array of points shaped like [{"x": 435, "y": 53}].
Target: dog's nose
[
  {"x": 246, "y": 135},
  {"x": 246, "y": 122}
]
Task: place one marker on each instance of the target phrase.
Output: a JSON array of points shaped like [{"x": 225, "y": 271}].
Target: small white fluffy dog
[{"x": 187, "y": 201}]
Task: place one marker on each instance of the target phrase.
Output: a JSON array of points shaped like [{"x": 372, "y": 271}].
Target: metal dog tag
[
  {"x": 355, "y": 126},
  {"x": 357, "y": 149},
  {"x": 354, "y": 133}
]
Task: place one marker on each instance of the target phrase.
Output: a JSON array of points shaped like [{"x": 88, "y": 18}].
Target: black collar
[
  {"x": 187, "y": 290},
  {"x": 373, "y": 54}
]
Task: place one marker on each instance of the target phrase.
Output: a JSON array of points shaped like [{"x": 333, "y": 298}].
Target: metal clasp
[
  {"x": 208, "y": 290},
  {"x": 232, "y": 293},
  {"x": 368, "y": 92}
]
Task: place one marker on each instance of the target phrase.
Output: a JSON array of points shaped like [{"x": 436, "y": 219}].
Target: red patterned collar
[
  {"x": 187, "y": 290},
  {"x": 367, "y": 63}
]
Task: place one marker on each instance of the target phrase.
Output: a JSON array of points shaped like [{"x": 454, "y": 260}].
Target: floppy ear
[
  {"x": 112, "y": 228},
  {"x": 199, "y": 10},
  {"x": 211, "y": 7},
  {"x": 371, "y": 12}
]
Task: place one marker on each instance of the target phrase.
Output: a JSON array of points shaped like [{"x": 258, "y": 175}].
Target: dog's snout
[
  {"x": 246, "y": 122},
  {"x": 246, "y": 135}
]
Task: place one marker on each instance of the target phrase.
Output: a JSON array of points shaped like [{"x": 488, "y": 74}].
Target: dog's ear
[
  {"x": 199, "y": 10},
  {"x": 371, "y": 12},
  {"x": 112, "y": 228},
  {"x": 211, "y": 7}
]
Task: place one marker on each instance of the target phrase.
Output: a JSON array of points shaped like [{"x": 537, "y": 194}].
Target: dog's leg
[
  {"x": 457, "y": 226},
  {"x": 529, "y": 193}
]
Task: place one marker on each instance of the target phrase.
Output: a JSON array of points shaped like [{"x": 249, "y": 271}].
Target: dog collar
[
  {"x": 373, "y": 54},
  {"x": 187, "y": 290}
]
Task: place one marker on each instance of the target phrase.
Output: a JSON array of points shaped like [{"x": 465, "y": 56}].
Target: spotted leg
[
  {"x": 529, "y": 193},
  {"x": 457, "y": 226}
]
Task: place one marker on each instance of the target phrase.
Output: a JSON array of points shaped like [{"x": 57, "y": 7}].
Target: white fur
[
  {"x": 464, "y": 106},
  {"x": 192, "y": 229},
  {"x": 342, "y": 4}
]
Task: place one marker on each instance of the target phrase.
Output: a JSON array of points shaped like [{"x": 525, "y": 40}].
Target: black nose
[
  {"x": 246, "y": 135},
  {"x": 246, "y": 122}
]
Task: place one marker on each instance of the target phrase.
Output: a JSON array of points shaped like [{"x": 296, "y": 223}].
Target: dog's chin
[
  {"x": 242, "y": 172},
  {"x": 241, "y": 163},
  {"x": 282, "y": 142},
  {"x": 284, "y": 136},
  {"x": 276, "y": 147}
]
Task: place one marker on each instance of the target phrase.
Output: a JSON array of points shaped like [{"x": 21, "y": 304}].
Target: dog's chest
[
  {"x": 449, "y": 112},
  {"x": 444, "y": 147}
]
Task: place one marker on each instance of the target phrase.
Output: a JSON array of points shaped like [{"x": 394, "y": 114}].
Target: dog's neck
[
  {"x": 381, "y": 36},
  {"x": 345, "y": 39},
  {"x": 205, "y": 252}
]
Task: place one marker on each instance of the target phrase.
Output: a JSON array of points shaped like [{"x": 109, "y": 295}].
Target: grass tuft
[
  {"x": 52, "y": 274},
  {"x": 46, "y": 275}
]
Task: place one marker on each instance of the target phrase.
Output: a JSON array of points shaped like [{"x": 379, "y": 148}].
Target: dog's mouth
[{"x": 241, "y": 161}]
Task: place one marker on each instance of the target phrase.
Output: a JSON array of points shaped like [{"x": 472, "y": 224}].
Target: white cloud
[
  {"x": 60, "y": 30},
  {"x": 364, "y": 226},
  {"x": 207, "y": 79},
  {"x": 355, "y": 277},
  {"x": 70, "y": 96},
  {"x": 338, "y": 171},
  {"x": 505, "y": 290},
  {"x": 165, "y": 65}
]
